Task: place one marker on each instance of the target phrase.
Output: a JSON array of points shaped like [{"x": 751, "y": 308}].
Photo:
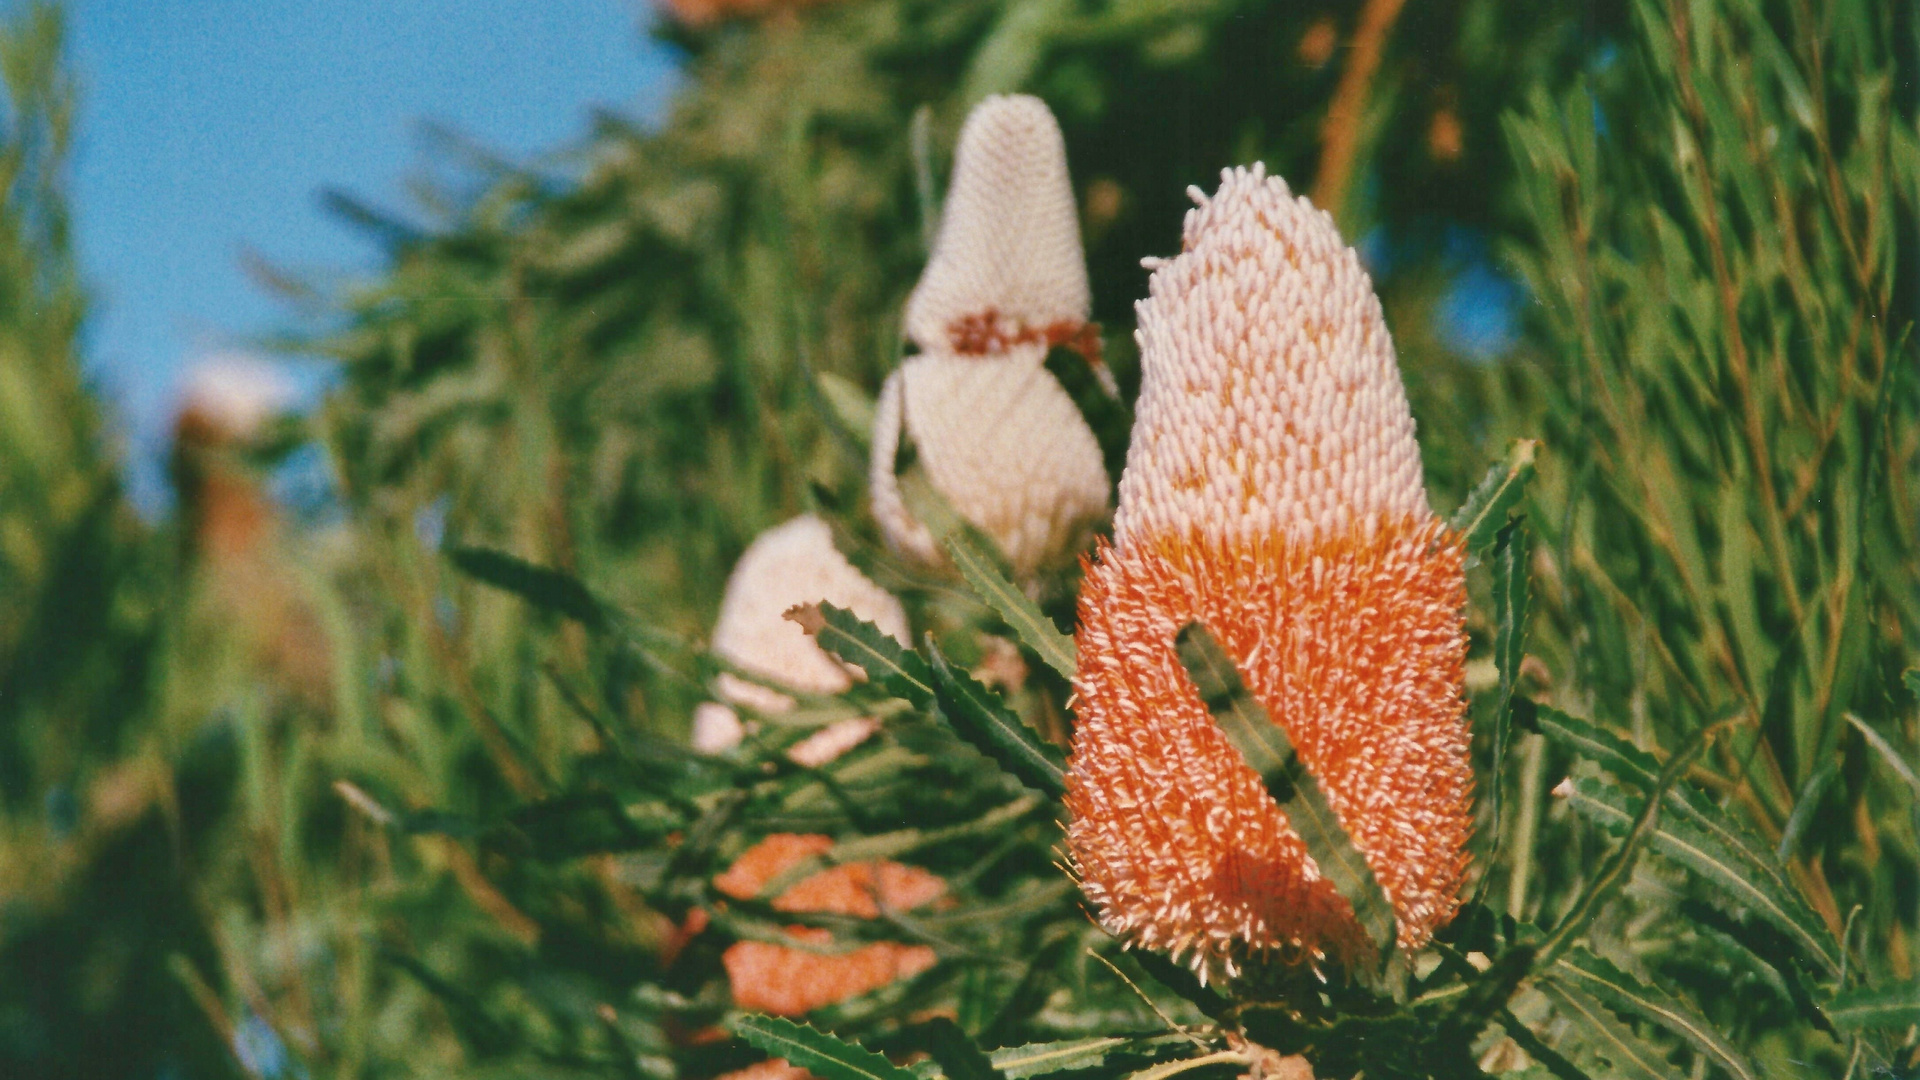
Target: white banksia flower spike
[
  {"x": 1007, "y": 264},
  {"x": 995, "y": 432},
  {"x": 1273, "y": 493},
  {"x": 794, "y": 563}
]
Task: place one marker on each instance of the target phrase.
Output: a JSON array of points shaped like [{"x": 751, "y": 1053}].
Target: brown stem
[{"x": 1340, "y": 131}]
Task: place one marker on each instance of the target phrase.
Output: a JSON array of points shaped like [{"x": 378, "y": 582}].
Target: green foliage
[{"x": 481, "y": 847}]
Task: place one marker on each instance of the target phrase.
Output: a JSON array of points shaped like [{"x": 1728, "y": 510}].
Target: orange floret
[
  {"x": 790, "y": 981},
  {"x": 1355, "y": 646}
]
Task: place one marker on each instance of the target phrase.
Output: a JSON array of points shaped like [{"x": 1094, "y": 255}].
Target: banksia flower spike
[
  {"x": 992, "y": 428},
  {"x": 1273, "y": 493},
  {"x": 794, "y": 563},
  {"x": 789, "y": 981}
]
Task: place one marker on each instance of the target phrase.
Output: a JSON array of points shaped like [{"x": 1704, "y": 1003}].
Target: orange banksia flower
[
  {"x": 788, "y": 981},
  {"x": 994, "y": 431},
  {"x": 1273, "y": 493}
]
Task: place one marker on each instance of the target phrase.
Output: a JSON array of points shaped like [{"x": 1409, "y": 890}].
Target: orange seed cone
[{"x": 1273, "y": 492}]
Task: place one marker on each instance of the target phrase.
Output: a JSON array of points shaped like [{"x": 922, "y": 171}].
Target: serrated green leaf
[
  {"x": 1606, "y": 805},
  {"x": 1039, "y": 1059},
  {"x": 1174, "y": 1068},
  {"x": 1642, "y": 826},
  {"x": 868, "y": 648},
  {"x": 1056, "y": 649},
  {"x": 959, "y": 1057},
  {"x": 1603, "y": 1035},
  {"x": 1895, "y": 761},
  {"x": 983, "y": 720},
  {"x": 1265, "y": 746},
  {"x": 1623, "y": 993},
  {"x": 544, "y": 588},
  {"x": 1884, "y": 1007},
  {"x": 1480, "y": 518},
  {"x": 816, "y": 1051},
  {"x": 1695, "y": 833}
]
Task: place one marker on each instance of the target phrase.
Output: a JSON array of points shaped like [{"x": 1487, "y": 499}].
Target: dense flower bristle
[
  {"x": 789, "y": 981},
  {"x": 1270, "y": 402},
  {"x": 1272, "y": 493},
  {"x": 994, "y": 431}
]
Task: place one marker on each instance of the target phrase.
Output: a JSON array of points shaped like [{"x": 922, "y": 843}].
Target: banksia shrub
[
  {"x": 794, "y": 563},
  {"x": 994, "y": 431},
  {"x": 1273, "y": 493}
]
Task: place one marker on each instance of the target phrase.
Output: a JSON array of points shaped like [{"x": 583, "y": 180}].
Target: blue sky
[{"x": 209, "y": 128}]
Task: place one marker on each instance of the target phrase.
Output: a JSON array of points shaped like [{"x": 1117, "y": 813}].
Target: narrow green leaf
[
  {"x": 1911, "y": 679},
  {"x": 979, "y": 716},
  {"x": 959, "y": 1058},
  {"x": 1174, "y": 1068},
  {"x": 1885, "y": 1007},
  {"x": 868, "y": 648},
  {"x": 816, "y": 1051},
  {"x": 1480, "y": 518},
  {"x": 544, "y": 588},
  {"x": 851, "y": 407},
  {"x": 1624, "y": 993},
  {"x": 1546, "y": 1056},
  {"x": 1604, "y": 1036},
  {"x": 1511, "y": 545},
  {"x": 1072, "y": 1055},
  {"x": 1265, "y": 746},
  {"x": 1012, "y": 605},
  {"x": 1805, "y": 803},
  {"x": 1641, "y": 827},
  {"x": 1894, "y": 759},
  {"x": 1106, "y": 415},
  {"x": 1699, "y": 835},
  {"x": 1263, "y": 743},
  {"x": 1606, "y": 804}
]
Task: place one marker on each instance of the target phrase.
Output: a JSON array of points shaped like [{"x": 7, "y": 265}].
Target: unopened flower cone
[
  {"x": 1273, "y": 493},
  {"x": 994, "y": 431},
  {"x": 794, "y": 563},
  {"x": 788, "y": 980}
]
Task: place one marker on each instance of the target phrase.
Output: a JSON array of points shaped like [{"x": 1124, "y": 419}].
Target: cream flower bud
[
  {"x": 794, "y": 563},
  {"x": 1008, "y": 259},
  {"x": 996, "y": 434}
]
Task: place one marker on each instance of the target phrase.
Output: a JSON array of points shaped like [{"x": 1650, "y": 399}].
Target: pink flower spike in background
[
  {"x": 994, "y": 431},
  {"x": 794, "y": 563}
]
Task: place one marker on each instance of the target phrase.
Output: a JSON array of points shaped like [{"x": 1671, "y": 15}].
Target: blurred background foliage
[{"x": 288, "y": 794}]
